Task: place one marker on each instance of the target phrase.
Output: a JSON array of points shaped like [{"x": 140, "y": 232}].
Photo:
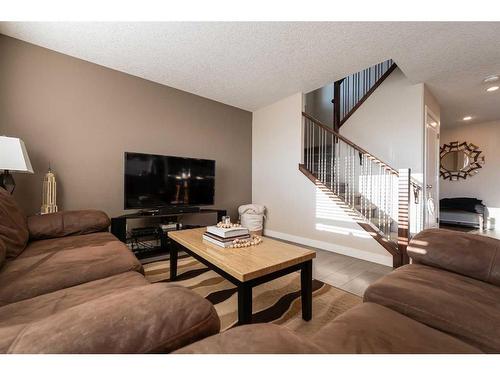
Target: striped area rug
[{"x": 277, "y": 301}]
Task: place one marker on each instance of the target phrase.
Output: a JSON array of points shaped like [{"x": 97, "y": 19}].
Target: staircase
[
  {"x": 383, "y": 201},
  {"x": 350, "y": 92}
]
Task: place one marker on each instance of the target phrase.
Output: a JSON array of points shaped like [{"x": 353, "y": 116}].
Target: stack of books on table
[{"x": 224, "y": 237}]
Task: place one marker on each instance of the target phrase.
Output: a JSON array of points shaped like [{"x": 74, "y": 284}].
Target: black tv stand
[
  {"x": 149, "y": 212},
  {"x": 119, "y": 224},
  {"x": 169, "y": 211},
  {"x": 179, "y": 210},
  {"x": 173, "y": 210}
]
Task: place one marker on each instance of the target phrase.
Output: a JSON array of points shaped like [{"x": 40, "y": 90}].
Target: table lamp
[{"x": 13, "y": 158}]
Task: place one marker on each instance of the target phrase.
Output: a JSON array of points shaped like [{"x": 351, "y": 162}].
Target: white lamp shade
[{"x": 13, "y": 155}]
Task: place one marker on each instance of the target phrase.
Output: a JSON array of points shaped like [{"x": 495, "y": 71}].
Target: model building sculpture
[{"x": 49, "y": 193}]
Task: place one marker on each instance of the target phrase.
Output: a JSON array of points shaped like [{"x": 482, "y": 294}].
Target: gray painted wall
[{"x": 81, "y": 118}]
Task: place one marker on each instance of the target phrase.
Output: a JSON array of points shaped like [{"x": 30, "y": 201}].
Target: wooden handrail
[
  {"x": 330, "y": 130},
  {"x": 368, "y": 93}
]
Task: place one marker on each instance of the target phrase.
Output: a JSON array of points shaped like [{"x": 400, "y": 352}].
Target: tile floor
[{"x": 350, "y": 274}]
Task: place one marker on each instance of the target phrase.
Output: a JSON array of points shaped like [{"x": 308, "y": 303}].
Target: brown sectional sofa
[
  {"x": 69, "y": 286},
  {"x": 446, "y": 301},
  {"x": 453, "y": 286}
]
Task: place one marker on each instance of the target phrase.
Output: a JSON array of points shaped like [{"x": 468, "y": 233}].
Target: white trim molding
[{"x": 385, "y": 260}]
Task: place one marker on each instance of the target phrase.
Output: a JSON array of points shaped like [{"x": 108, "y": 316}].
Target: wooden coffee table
[{"x": 247, "y": 267}]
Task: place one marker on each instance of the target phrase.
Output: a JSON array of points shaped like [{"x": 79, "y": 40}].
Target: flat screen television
[{"x": 153, "y": 181}]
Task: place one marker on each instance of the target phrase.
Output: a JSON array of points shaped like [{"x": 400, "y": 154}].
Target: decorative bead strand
[{"x": 252, "y": 241}]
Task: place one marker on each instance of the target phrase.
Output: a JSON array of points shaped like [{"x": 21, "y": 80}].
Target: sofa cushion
[
  {"x": 3, "y": 252},
  {"x": 471, "y": 255},
  {"x": 13, "y": 227},
  {"x": 253, "y": 339},
  {"x": 31, "y": 276},
  {"x": 67, "y": 243},
  {"x": 466, "y": 308},
  {"x": 146, "y": 319},
  {"x": 67, "y": 223},
  {"x": 370, "y": 328},
  {"x": 37, "y": 308}
]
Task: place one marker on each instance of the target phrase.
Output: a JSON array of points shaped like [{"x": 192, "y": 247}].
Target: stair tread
[{"x": 370, "y": 206}]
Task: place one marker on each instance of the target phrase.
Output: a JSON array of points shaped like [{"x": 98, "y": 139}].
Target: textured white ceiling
[{"x": 253, "y": 64}]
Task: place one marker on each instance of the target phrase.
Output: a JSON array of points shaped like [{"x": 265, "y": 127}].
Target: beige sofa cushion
[
  {"x": 253, "y": 339},
  {"x": 466, "y": 308},
  {"x": 67, "y": 223},
  {"x": 40, "y": 307},
  {"x": 31, "y": 276},
  {"x": 365, "y": 329},
  {"x": 468, "y": 254},
  {"x": 13, "y": 227},
  {"x": 3, "y": 252},
  {"x": 144, "y": 319},
  {"x": 39, "y": 247},
  {"x": 369, "y": 328}
]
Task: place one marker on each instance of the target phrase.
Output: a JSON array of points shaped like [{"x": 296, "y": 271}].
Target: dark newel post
[
  {"x": 404, "y": 214},
  {"x": 336, "y": 106}
]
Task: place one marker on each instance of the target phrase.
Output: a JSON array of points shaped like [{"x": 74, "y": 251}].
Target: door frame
[{"x": 429, "y": 113}]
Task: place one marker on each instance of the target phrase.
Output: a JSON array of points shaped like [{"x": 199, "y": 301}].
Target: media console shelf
[{"x": 119, "y": 228}]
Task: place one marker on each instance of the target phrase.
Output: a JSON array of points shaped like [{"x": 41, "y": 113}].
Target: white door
[{"x": 431, "y": 173}]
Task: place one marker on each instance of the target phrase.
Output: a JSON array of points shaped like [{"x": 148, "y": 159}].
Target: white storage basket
[{"x": 252, "y": 217}]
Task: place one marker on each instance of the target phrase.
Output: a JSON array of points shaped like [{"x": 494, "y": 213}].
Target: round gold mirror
[
  {"x": 460, "y": 160},
  {"x": 455, "y": 161}
]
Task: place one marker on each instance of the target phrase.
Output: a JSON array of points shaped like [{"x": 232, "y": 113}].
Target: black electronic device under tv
[{"x": 155, "y": 181}]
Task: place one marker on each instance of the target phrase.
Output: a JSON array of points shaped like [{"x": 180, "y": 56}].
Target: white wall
[
  {"x": 319, "y": 104},
  {"x": 390, "y": 124},
  {"x": 485, "y": 184},
  {"x": 297, "y": 211},
  {"x": 431, "y": 102}
]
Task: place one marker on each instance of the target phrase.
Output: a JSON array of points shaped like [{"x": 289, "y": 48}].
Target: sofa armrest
[
  {"x": 155, "y": 318},
  {"x": 67, "y": 223},
  {"x": 471, "y": 255}
]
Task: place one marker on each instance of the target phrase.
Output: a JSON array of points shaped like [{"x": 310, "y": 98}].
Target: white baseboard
[{"x": 344, "y": 250}]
